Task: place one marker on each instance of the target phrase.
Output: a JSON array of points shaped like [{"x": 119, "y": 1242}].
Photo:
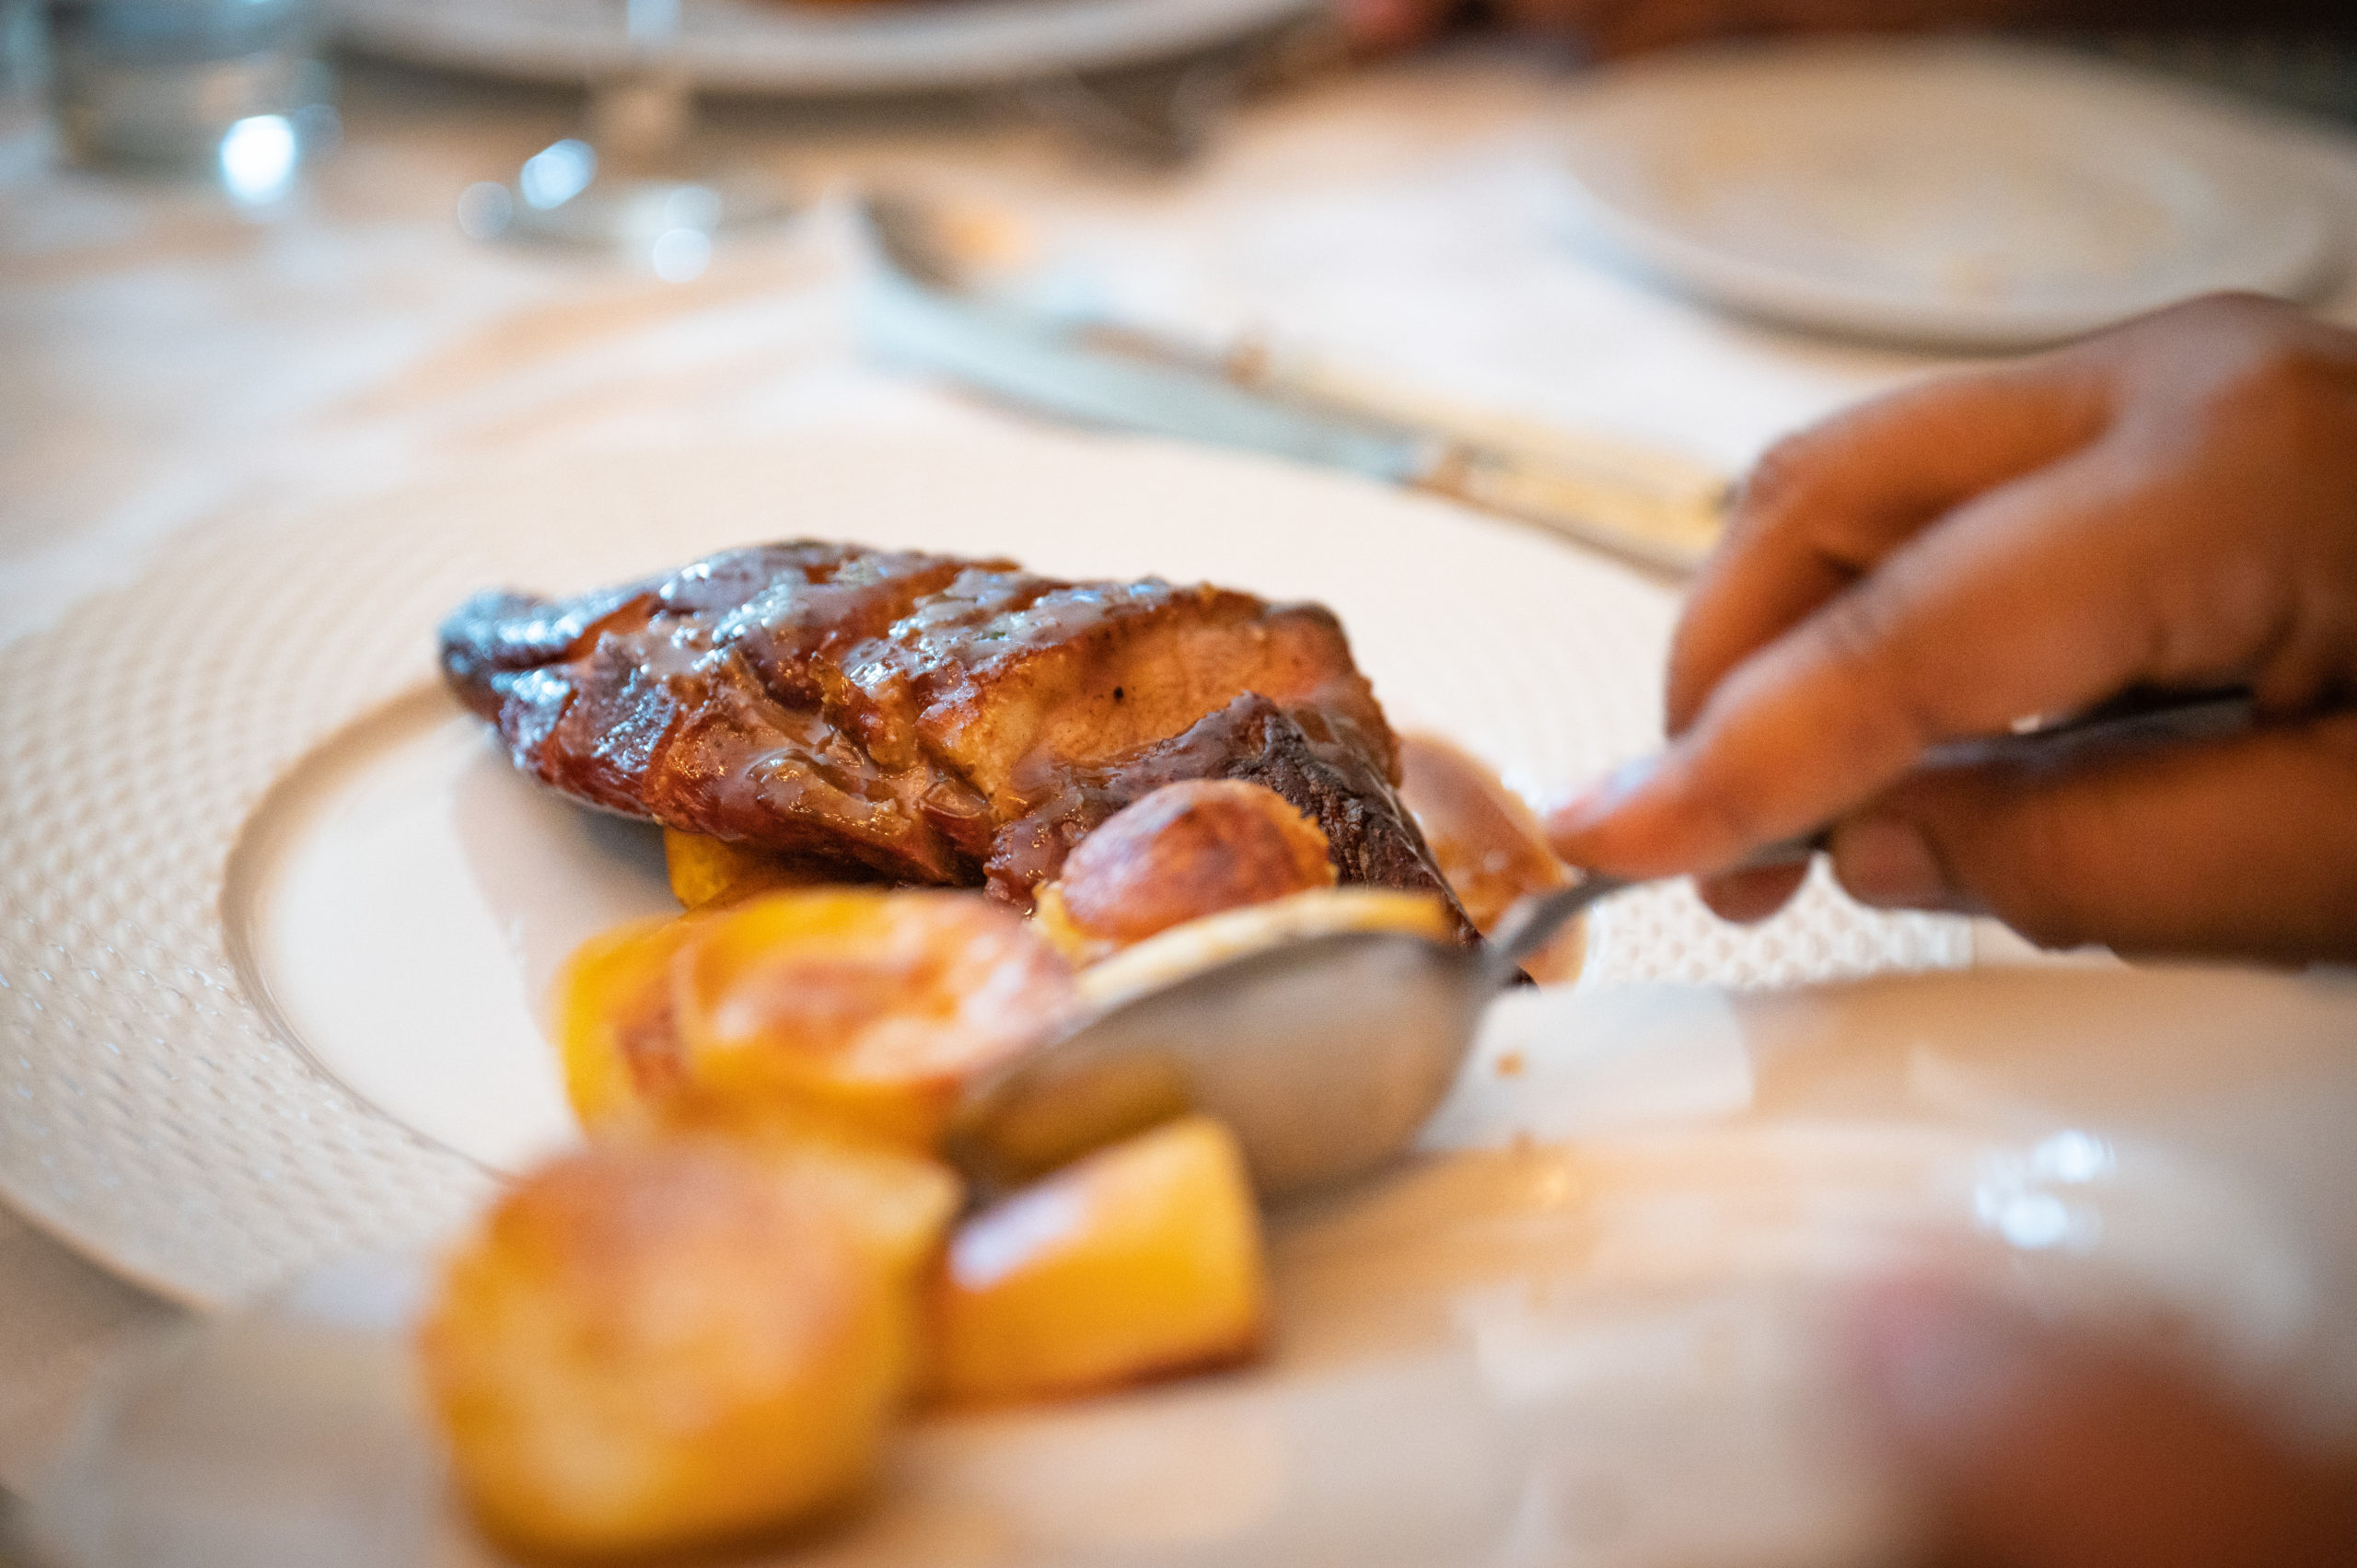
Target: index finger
[
  {"x": 2034, "y": 598},
  {"x": 1824, "y": 506}
]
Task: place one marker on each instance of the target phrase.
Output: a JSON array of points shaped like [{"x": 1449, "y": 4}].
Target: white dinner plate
[
  {"x": 808, "y": 46},
  {"x": 1969, "y": 195},
  {"x": 289, "y": 918},
  {"x": 278, "y": 919},
  {"x": 286, "y": 920}
]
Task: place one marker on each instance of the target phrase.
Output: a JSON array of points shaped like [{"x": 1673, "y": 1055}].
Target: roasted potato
[
  {"x": 898, "y": 1204},
  {"x": 1141, "y": 1261},
  {"x": 662, "y": 1344},
  {"x": 872, "y": 1006},
  {"x": 614, "y": 1020},
  {"x": 1180, "y": 951},
  {"x": 711, "y": 871},
  {"x": 1186, "y": 851}
]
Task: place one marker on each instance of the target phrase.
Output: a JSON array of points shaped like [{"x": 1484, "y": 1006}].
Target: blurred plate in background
[
  {"x": 783, "y": 46},
  {"x": 1960, "y": 194}
]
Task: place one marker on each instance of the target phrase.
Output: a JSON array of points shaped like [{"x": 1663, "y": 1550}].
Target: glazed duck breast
[{"x": 928, "y": 719}]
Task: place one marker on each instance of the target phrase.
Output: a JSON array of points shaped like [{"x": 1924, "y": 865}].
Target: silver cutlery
[
  {"x": 925, "y": 308},
  {"x": 1326, "y": 1054}
]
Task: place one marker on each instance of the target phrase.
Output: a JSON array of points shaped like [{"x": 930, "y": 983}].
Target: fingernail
[
  {"x": 1945, "y": 1370},
  {"x": 1888, "y": 864},
  {"x": 1603, "y": 797}
]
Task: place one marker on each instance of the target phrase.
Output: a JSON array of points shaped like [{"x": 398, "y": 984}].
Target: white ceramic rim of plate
[
  {"x": 153, "y": 1111},
  {"x": 776, "y": 46},
  {"x": 2292, "y": 260}
]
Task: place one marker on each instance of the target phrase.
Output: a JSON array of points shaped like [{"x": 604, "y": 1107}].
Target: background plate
[
  {"x": 1946, "y": 193},
  {"x": 251, "y": 740},
  {"x": 777, "y": 46}
]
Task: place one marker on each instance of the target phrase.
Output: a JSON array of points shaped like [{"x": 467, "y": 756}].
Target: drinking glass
[
  {"x": 228, "y": 88},
  {"x": 24, "y": 83},
  {"x": 629, "y": 179}
]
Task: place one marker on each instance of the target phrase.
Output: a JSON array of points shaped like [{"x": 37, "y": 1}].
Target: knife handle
[
  {"x": 1657, "y": 508},
  {"x": 1670, "y": 531}
]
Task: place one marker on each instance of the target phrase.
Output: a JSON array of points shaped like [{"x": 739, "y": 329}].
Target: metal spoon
[{"x": 1326, "y": 1054}]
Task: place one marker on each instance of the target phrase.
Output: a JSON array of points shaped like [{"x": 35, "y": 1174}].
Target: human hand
[
  {"x": 2035, "y": 1449},
  {"x": 1610, "y": 28},
  {"x": 2172, "y": 503}
]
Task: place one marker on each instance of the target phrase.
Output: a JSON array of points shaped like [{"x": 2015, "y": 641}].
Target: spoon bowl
[{"x": 1325, "y": 1055}]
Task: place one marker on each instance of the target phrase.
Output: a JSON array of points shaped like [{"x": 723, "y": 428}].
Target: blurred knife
[{"x": 1648, "y": 507}]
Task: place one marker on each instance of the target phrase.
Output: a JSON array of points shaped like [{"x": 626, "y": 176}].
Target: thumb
[
  {"x": 2244, "y": 846},
  {"x": 2035, "y": 1449}
]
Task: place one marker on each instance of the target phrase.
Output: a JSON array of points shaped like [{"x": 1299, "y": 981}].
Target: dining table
[{"x": 170, "y": 358}]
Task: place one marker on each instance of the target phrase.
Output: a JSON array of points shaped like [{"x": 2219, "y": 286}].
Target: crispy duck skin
[{"x": 928, "y": 719}]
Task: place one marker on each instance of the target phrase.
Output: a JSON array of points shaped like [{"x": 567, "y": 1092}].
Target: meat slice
[{"x": 926, "y": 718}]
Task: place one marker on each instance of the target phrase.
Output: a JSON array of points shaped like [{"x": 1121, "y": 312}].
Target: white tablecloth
[{"x": 167, "y": 360}]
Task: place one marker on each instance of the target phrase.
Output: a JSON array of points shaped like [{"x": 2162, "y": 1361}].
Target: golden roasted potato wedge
[
  {"x": 1186, "y": 851},
  {"x": 871, "y": 1006},
  {"x": 663, "y": 1344},
  {"x": 1141, "y": 1261},
  {"x": 614, "y": 1020}
]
